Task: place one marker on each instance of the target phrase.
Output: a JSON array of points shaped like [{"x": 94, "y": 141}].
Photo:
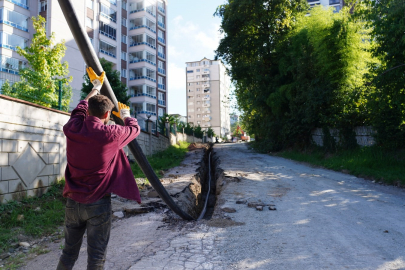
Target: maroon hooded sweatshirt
[{"x": 96, "y": 163}]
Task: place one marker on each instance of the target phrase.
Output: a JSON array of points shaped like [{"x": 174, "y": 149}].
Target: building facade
[
  {"x": 129, "y": 34},
  {"x": 208, "y": 92},
  {"x": 336, "y": 4}
]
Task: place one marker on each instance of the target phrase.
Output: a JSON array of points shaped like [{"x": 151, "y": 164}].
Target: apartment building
[
  {"x": 207, "y": 87},
  {"x": 129, "y": 34},
  {"x": 336, "y": 4}
]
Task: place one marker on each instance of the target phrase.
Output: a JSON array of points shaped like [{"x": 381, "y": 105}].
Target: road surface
[{"x": 323, "y": 220}]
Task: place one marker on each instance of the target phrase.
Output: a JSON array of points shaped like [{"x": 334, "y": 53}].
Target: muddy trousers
[{"x": 96, "y": 219}]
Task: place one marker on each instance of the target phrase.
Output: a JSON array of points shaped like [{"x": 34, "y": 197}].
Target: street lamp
[{"x": 147, "y": 122}]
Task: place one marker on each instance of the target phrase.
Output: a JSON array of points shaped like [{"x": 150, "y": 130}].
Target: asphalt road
[{"x": 324, "y": 220}]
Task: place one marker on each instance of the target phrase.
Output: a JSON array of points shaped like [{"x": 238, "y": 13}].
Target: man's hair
[{"x": 99, "y": 105}]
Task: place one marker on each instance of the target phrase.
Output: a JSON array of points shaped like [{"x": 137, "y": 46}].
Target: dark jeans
[{"x": 96, "y": 218}]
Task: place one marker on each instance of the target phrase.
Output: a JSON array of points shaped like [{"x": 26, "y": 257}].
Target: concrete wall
[
  {"x": 364, "y": 136},
  {"x": 33, "y": 147},
  {"x": 32, "y": 153}
]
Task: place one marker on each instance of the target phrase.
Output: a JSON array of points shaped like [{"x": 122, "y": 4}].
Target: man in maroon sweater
[{"x": 96, "y": 167}]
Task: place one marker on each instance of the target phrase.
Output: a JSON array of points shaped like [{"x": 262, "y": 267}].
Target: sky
[{"x": 193, "y": 33}]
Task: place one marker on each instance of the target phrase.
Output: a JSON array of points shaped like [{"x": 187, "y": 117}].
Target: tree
[
  {"x": 171, "y": 119},
  {"x": 114, "y": 77},
  {"x": 294, "y": 72},
  {"x": 211, "y": 133},
  {"x": 387, "y": 101},
  {"x": 252, "y": 32},
  {"x": 40, "y": 80}
]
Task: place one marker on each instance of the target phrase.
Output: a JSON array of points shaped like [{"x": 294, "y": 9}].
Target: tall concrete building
[
  {"x": 336, "y": 4},
  {"x": 208, "y": 95},
  {"x": 129, "y": 34}
]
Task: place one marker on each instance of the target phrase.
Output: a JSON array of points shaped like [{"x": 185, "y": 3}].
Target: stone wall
[
  {"x": 32, "y": 148},
  {"x": 364, "y": 136}
]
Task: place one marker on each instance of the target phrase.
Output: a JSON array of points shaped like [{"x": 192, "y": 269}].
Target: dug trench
[{"x": 192, "y": 185}]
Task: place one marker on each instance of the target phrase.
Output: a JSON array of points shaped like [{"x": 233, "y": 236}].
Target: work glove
[
  {"x": 123, "y": 111},
  {"x": 97, "y": 81}
]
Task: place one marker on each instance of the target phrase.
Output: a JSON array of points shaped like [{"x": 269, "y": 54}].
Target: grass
[
  {"x": 374, "y": 162},
  {"x": 164, "y": 160},
  {"x": 43, "y": 221}
]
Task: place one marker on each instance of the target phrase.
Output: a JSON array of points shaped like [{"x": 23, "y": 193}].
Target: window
[
  {"x": 89, "y": 22},
  {"x": 108, "y": 13},
  {"x": 108, "y": 49},
  {"x": 190, "y": 71},
  {"x": 114, "y": 2},
  {"x": 150, "y": 24},
  {"x": 123, "y": 73},
  {"x": 151, "y": 8},
  {"x": 151, "y": 74},
  {"x": 161, "y": 49},
  {"x": 124, "y": 56},
  {"x": 161, "y": 80},
  {"x": 11, "y": 41},
  {"x": 150, "y": 90},
  {"x": 90, "y": 4},
  {"x": 151, "y": 57},
  {"x": 11, "y": 65},
  {"x": 151, "y": 107},
  {"x": 198, "y": 76},
  {"x": 198, "y": 70},
  {"x": 14, "y": 19},
  {"x": 43, "y": 5},
  {"x": 206, "y": 69},
  {"x": 124, "y": 22},
  {"x": 137, "y": 6},
  {"x": 198, "y": 89},
  {"x": 108, "y": 31},
  {"x": 124, "y": 39},
  {"x": 189, "y": 84},
  {"x": 198, "y": 116},
  {"x": 124, "y": 5},
  {"x": 161, "y": 112},
  {"x": 150, "y": 40}
]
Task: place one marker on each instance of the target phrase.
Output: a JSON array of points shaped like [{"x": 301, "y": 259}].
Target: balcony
[
  {"x": 133, "y": 44},
  {"x": 162, "y": 102},
  {"x": 107, "y": 35},
  {"x": 162, "y": 71},
  {"x": 206, "y": 66},
  {"x": 145, "y": 112},
  {"x": 207, "y": 118},
  {"x": 206, "y": 105},
  {"x": 19, "y": 3},
  {"x": 142, "y": 26},
  {"x": 161, "y": 10},
  {"x": 142, "y": 95},
  {"x": 162, "y": 55},
  {"x": 205, "y": 72},
  {"x": 205, "y": 79},
  {"x": 334, "y": 2},
  {"x": 161, "y": 40},
  {"x": 162, "y": 25},
  {"x": 137, "y": 60},
  {"x": 206, "y": 98},
  {"x": 108, "y": 53},
  {"x": 206, "y": 85},
  {"x": 162, "y": 86},
  {"x": 141, "y": 77}
]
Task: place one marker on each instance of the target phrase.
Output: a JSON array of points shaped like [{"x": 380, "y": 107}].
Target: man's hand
[
  {"x": 123, "y": 111},
  {"x": 96, "y": 80}
]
